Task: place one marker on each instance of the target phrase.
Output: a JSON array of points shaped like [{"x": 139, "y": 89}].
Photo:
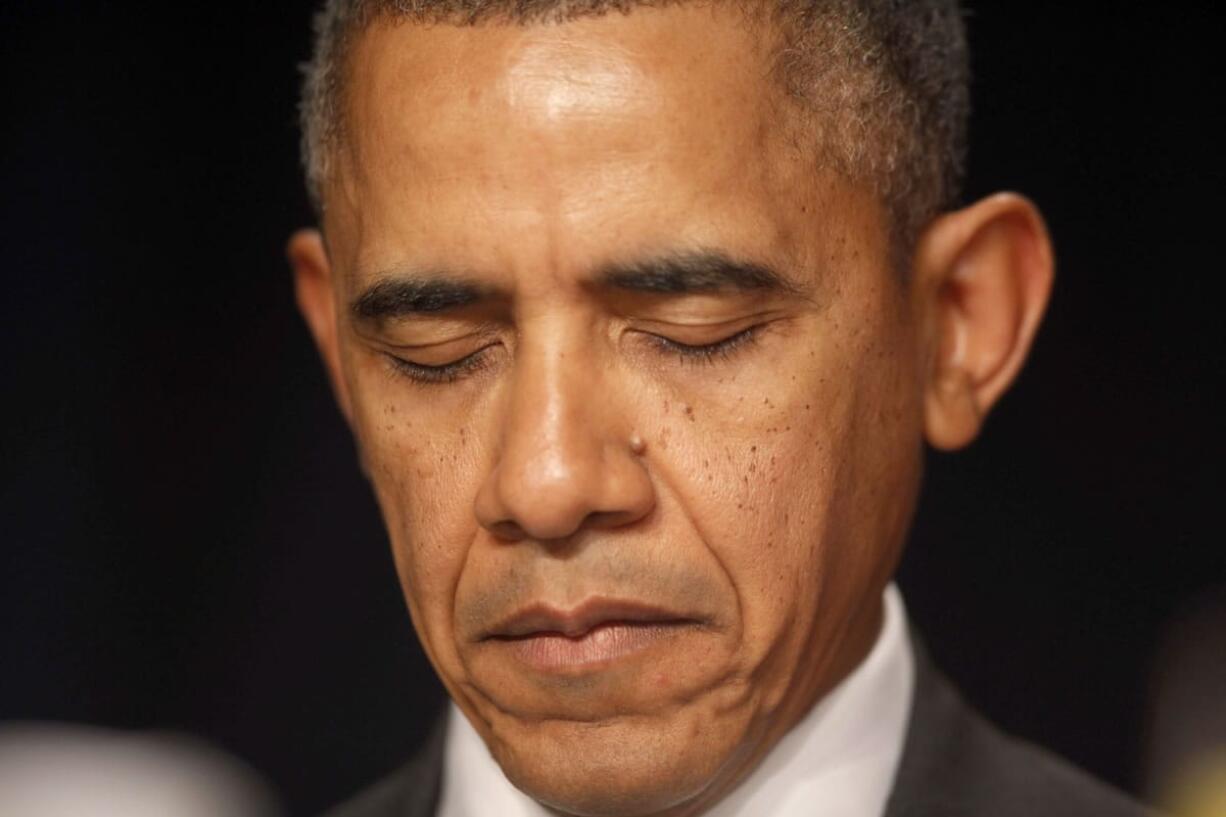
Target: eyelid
[
  {"x": 479, "y": 334},
  {"x": 725, "y": 347},
  {"x": 449, "y": 372},
  {"x": 662, "y": 326}
]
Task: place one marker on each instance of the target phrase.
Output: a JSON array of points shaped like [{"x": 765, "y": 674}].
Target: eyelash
[
  {"x": 447, "y": 373},
  {"x": 710, "y": 352},
  {"x": 687, "y": 354}
]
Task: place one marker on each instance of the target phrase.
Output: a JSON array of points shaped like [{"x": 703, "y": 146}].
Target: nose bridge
[
  {"x": 554, "y": 435},
  {"x": 559, "y": 464}
]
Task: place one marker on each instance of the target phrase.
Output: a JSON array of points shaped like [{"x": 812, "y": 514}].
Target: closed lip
[{"x": 541, "y": 618}]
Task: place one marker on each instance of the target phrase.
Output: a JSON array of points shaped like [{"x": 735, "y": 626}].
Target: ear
[
  {"x": 983, "y": 278},
  {"x": 317, "y": 302}
]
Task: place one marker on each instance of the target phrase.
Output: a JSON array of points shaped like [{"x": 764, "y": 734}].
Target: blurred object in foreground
[
  {"x": 1200, "y": 789},
  {"x": 60, "y": 770},
  {"x": 1186, "y": 755}
]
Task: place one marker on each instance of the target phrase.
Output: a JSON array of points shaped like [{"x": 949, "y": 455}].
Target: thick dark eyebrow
[
  {"x": 690, "y": 272},
  {"x": 410, "y": 294}
]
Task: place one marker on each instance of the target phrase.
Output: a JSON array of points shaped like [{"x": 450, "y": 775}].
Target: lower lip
[{"x": 554, "y": 652}]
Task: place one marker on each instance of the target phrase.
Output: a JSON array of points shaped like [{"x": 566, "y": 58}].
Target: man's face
[{"x": 635, "y": 383}]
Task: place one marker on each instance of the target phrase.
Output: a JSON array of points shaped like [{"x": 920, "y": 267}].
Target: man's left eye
[{"x": 706, "y": 352}]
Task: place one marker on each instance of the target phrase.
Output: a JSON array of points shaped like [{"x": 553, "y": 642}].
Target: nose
[{"x": 565, "y": 459}]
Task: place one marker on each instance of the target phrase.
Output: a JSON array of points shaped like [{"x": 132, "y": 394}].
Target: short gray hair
[{"x": 885, "y": 81}]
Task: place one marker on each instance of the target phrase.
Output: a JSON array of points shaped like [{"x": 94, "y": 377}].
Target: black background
[{"x": 188, "y": 544}]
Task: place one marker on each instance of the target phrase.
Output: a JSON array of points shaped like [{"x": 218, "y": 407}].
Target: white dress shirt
[{"x": 838, "y": 761}]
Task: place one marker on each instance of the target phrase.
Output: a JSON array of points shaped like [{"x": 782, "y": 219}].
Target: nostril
[
  {"x": 508, "y": 530},
  {"x": 610, "y": 519}
]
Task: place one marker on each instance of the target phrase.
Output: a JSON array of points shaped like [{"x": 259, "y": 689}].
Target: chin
[{"x": 616, "y": 768}]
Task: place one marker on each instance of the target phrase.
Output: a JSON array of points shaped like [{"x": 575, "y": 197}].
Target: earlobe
[
  {"x": 984, "y": 277},
  {"x": 308, "y": 257}
]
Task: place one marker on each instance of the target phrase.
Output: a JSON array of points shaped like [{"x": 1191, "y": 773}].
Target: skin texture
[{"x": 757, "y": 493}]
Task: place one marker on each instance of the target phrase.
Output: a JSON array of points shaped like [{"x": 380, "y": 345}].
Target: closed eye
[
  {"x": 707, "y": 352},
  {"x": 443, "y": 372},
  {"x": 687, "y": 353}
]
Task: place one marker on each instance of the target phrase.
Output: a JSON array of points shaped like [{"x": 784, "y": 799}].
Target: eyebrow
[
  {"x": 414, "y": 293},
  {"x": 402, "y": 294},
  {"x": 693, "y": 272}
]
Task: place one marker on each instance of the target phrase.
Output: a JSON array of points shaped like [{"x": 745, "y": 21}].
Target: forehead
[{"x": 488, "y": 145}]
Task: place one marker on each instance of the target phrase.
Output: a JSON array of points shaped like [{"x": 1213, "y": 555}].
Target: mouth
[{"x": 595, "y": 633}]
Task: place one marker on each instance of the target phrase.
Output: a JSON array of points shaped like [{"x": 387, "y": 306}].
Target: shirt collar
[{"x": 842, "y": 756}]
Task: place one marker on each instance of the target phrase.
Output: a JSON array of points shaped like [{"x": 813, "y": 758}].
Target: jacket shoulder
[
  {"x": 410, "y": 791},
  {"x": 1041, "y": 783},
  {"x": 956, "y": 764}
]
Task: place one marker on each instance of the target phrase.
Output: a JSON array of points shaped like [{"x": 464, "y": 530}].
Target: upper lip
[{"x": 540, "y": 617}]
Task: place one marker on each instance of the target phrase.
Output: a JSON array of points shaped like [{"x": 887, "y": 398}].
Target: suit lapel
[{"x": 928, "y": 773}]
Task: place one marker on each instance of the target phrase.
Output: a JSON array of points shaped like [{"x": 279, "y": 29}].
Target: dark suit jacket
[{"x": 954, "y": 764}]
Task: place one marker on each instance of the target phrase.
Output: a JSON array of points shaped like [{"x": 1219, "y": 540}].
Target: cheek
[
  {"x": 752, "y": 464},
  {"x": 799, "y": 499},
  {"x": 424, "y": 469}
]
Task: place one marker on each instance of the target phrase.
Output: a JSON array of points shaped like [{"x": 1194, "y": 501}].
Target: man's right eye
[{"x": 439, "y": 373}]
